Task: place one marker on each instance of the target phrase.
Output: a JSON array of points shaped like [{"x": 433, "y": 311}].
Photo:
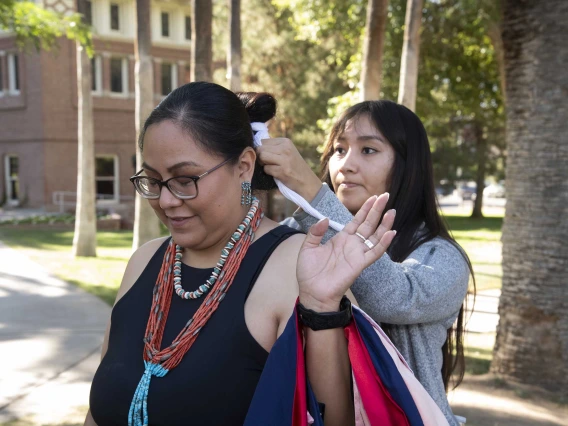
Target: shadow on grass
[
  {"x": 106, "y": 294},
  {"x": 50, "y": 238},
  {"x": 477, "y": 360}
]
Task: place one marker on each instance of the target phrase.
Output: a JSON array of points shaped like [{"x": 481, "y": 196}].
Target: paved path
[{"x": 50, "y": 338}]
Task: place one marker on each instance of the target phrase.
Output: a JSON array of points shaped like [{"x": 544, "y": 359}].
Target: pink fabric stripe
[{"x": 428, "y": 409}]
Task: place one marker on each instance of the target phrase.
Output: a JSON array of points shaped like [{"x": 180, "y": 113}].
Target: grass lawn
[
  {"x": 100, "y": 276},
  {"x": 481, "y": 239}
]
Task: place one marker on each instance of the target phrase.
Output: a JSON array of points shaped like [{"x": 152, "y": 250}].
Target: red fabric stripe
[
  {"x": 380, "y": 407},
  {"x": 300, "y": 409}
]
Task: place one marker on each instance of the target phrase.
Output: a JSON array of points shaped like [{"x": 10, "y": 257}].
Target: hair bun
[{"x": 261, "y": 106}]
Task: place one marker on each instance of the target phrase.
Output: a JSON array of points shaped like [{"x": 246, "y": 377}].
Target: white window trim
[
  {"x": 174, "y": 81},
  {"x": 98, "y": 77},
  {"x": 8, "y": 180},
  {"x": 115, "y": 179},
  {"x": 3, "y": 89},
  {"x": 125, "y": 82},
  {"x": 170, "y": 14},
  {"x": 12, "y": 75},
  {"x": 121, "y": 20}
]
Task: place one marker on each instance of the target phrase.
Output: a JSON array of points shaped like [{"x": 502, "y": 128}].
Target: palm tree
[
  {"x": 532, "y": 337},
  {"x": 234, "y": 54},
  {"x": 201, "y": 44},
  {"x": 373, "y": 43},
  {"x": 85, "y": 236},
  {"x": 410, "y": 54},
  {"x": 146, "y": 223}
]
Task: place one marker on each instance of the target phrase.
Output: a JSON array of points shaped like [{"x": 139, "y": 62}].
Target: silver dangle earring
[{"x": 246, "y": 195}]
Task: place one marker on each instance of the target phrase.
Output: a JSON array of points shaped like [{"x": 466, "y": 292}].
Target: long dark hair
[
  {"x": 217, "y": 119},
  {"x": 412, "y": 194}
]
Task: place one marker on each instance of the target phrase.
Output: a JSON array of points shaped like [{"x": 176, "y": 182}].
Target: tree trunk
[
  {"x": 532, "y": 337},
  {"x": 146, "y": 223},
  {"x": 85, "y": 236},
  {"x": 201, "y": 40},
  {"x": 234, "y": 54},
  {"x": 481, "y": 154},
  {"x": 494, "y": 32},
  {"x": 373, "y": 43},
  {"x": 410, "y": 54}
]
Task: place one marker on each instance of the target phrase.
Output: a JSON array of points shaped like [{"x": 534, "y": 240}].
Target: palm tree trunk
[
  {"x": 373, "y": 43},
  {"x": 146, "y": 223},
  {"x": 410, "y": 55},
  {"x": 234, "y": 54},
  {"x": 532, "y": 336},
  {"x": 481, "y": 154},
  {"x": 201, "y": 40},
  {"x": 85, "y": 236}
]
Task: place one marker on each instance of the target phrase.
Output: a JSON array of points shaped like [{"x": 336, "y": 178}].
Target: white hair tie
[{"x": 261, "y": 132}]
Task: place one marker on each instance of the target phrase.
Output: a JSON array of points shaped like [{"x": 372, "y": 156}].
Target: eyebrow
[
  {"x": 363, "y": 138},
  {"x": 172, "y": 168}
]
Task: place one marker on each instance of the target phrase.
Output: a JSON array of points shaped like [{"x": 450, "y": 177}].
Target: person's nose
[
  {"x": 349, "y": 162},
  {"x": 167, "y": 199}
]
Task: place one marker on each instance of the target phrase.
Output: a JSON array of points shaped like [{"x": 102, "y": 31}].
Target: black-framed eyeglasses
[{"x": 182, "y": 187}]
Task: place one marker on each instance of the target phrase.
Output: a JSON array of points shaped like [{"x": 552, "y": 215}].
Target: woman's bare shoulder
[{"x": 136, "y": 265}]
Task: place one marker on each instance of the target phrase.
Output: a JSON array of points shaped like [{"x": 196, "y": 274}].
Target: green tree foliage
[
  {"x": 35, "y": 26},
  {"x": 311, "y": 51}
]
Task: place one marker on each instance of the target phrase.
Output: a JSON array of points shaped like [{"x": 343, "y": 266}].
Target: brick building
[{"x": 38, "y": 105}]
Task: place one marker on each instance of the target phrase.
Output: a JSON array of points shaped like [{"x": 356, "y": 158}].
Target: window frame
[
  {"x": 14, "y": 82},
  {"x": 124, "y": 77},
  {"x": 97, "y": 76},
  {"x": 115, "y": 179},
  {"x": 173, "y": 77},
  {"x": 8, "y": 179},
  {"x": 169, "y": 28},
  {"x": 119, "y": 7},
  {"x": 186, "y": 17}
]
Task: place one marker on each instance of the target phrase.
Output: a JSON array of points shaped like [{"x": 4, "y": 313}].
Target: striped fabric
[{"x": 386, "y": 392}]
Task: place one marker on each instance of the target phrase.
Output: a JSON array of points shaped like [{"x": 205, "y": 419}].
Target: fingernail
[
  {"x": 393, "y": 211},
  {"x": 388, "y": 195},
  {"x": 394, "y": 231}
]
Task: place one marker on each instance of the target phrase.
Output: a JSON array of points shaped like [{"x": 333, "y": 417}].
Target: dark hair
[
  {"x": 412, "y": 194},
  {"x": 217, "y": 119}
]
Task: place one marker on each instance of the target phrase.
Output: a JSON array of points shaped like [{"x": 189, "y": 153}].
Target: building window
[
  {"x": 169, "y": 78},
  {"x": 106, "y": 171},
  {"x": 165, "y": 24},
  {"x": 13, "y": 74},
  {"x": 188, "y": 27},
  {"x": 11, "y": 167},
  {"x": 119, "y": 76},
  {"x": 1, "y": 75},
  {"x": 89, "y": 12},
  {"x": 114, "y": 17},
  {"x": 96, "y": 75}
]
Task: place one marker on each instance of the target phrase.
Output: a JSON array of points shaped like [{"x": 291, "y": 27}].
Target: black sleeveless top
[{"x": 215, "y": 381}]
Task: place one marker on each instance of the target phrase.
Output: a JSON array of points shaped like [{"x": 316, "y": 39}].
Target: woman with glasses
[{"x": 198, "y": 312}]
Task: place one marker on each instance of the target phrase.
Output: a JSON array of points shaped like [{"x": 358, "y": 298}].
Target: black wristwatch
[{"x": 326, "y": 320}]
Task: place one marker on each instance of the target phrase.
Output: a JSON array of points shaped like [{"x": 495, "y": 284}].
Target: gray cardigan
[{"x": 421, "y": 296}]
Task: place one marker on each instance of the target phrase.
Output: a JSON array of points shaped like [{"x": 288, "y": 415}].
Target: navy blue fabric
[
  {"x": 387, "y": 370},
  {"x": 274, "y": 395}
]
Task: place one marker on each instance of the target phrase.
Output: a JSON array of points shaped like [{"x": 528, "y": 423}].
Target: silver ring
[{"x": 366, "y": 241}]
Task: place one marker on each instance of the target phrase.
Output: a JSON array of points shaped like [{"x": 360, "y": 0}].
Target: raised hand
[{"x": 325, "y": 272}]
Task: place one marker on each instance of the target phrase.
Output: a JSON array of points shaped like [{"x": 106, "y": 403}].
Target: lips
[
  {"x": 348, "y": 185},
  {"x": 178, "y": 221}
]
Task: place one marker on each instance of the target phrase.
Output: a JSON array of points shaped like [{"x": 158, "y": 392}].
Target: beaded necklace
[{"x": 160, "y": 362}]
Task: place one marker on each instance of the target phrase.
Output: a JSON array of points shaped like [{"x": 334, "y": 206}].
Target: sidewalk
[{"x": 50, "y": 338}]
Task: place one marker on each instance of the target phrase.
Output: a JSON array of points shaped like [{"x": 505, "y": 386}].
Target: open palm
[{"x": 325, "y": 272}]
